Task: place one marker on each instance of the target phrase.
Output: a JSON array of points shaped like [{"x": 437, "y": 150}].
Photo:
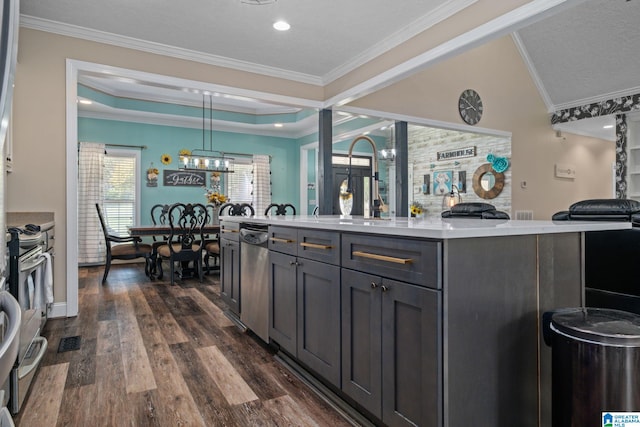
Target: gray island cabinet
[
  {"x": 428, "y": 323},
  {"x": 230, "y": 266},
  {"x": 304, "y": 303}
]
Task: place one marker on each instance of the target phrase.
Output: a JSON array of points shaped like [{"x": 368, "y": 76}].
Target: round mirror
[{"x": 487, "y": 183}]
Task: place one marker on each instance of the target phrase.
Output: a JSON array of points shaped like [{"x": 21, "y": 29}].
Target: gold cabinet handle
[
  {"x": 226, "y": 230},
  {"x": 315, "y": 245},
  {"x": 382, "y": 257},
  {"x": 279, "y": 240}
]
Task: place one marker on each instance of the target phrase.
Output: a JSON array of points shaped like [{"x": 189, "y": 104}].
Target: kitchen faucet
[{"x": 378, "y": 203}]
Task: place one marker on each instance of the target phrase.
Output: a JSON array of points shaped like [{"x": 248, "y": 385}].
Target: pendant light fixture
[
  {"x": 451, "y": 198},
  {"x": 206, "y": 159}
]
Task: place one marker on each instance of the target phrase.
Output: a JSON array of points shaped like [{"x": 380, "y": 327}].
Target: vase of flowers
[
  {"x": 216, "y": 198},
  {"x": 417, "y": 210}
]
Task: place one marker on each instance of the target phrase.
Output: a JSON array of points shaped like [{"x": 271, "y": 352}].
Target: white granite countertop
[{"x": 450, "y": 228}]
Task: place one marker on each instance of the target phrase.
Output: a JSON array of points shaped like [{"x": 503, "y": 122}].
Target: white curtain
[
  {"x": 261, "y": 183},
  {"x": 91, "y": 245}
]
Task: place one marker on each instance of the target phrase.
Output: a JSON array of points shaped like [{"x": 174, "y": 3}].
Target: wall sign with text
[
  {"x": 176, "y": 178},
  {"x": 457, "y": 153}
]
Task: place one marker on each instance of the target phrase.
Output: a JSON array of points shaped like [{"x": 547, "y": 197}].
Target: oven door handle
[
  {"x": 26, "y": 267},
  {"x": 23, "y": 371}
]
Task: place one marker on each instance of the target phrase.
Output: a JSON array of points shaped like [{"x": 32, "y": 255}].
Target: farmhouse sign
[
  {"x": 175, "y": 178},
  {"x": 456, "y": 154}
]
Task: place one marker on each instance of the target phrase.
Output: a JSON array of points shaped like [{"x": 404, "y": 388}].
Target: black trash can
[{"x": 595, "y": 365}]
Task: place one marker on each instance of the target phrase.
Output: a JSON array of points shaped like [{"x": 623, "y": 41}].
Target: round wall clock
[{"x": 470, "y": 106}]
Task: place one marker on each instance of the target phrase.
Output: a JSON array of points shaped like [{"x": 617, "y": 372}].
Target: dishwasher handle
[{"x": 253, "y": 237}]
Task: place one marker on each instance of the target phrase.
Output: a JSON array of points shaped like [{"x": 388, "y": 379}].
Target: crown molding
[
  {"x": 46, "y": 25},
  {"x": 596, "y": 99},
  {"x": 83, "y": 67},
  {"x": 441, "y": 13},
  {"x": 420, "y": 25},
  {"x": 532, "y": 71},
  {"x": 273, "y": 109},
  {"x": 157, "y": 119}
]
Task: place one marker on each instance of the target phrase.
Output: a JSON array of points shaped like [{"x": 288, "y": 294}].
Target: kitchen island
[{"x": 421, "y": 322}]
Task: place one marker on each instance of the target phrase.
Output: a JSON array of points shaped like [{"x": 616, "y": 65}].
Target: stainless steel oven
[{"x": 27, "y": 270}]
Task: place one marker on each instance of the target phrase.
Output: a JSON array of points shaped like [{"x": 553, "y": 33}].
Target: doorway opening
[{"x": 360, "y": 184}]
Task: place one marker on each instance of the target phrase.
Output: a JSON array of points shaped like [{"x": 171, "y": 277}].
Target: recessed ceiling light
[
  {"x": 85, "y": 101},
  {"x": 607, "y": 126},
  {"x": 281, "y": 25},
  {"x": 278, "y": 125}
]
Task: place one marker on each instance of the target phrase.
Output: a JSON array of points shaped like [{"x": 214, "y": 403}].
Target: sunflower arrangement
[
  {"x": 416, "y": 208},
  {"x": 152, "y": 176},
  {"x": 215, "y": 197}
]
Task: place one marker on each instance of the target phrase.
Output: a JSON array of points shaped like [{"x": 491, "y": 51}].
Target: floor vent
[
  {"x": 524, "y": 215},
  {"x": 69, "y": 343}
]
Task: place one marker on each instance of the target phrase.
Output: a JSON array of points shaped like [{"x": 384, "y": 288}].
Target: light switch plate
[{"x": 565, "y": 170}]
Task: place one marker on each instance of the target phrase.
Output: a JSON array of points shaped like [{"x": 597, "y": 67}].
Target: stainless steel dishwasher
[{"x": 254, "y": 276}]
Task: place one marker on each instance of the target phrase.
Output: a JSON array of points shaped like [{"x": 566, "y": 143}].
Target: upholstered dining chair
[
  {"x": 159, "y": 216},
  {"x": 237, "y": 209},
  {"x": 186, "y": 239},
  {"x": 280, "y": 209},
  {"x": 126, "y": 248}
]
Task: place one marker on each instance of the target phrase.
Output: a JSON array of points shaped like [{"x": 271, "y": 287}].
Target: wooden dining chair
[
  {"x": 159, "y": 214},
  {"x": 237, "y": 209},
  {"x": 212, "y": 243},
  {"x": 186, "y": 239},
  {"x": 280, "y": 209},
  {"x": 125, "y": 248}
]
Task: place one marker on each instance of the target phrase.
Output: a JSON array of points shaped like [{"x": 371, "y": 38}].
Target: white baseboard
[{"x": 58, "y": 309}]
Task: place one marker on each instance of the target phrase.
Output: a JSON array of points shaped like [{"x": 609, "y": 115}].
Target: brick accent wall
[{"x": 423, "y": 145}]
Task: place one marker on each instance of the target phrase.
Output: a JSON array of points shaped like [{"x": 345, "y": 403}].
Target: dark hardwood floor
[{"x": 152, "y": 354}]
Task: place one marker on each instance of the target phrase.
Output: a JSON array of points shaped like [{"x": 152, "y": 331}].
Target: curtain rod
[{"x": 142, "y": 147}]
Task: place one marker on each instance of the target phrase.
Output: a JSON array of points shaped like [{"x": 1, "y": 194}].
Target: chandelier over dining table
[{"x": 206, "y": 159}]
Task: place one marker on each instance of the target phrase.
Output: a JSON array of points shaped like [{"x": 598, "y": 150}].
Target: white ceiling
[
  {"x": 325, "y": 37},
  {"x": 582, "y": 54},
  {"x": 586, "y": 54}
]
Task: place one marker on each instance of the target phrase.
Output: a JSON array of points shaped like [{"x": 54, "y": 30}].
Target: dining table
[{"x": 165, "y": 230}]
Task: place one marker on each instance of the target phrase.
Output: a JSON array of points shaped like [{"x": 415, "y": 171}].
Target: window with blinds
[
  {"x": 239, "y": 186},
  {"x": 119, "y": 203}
]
